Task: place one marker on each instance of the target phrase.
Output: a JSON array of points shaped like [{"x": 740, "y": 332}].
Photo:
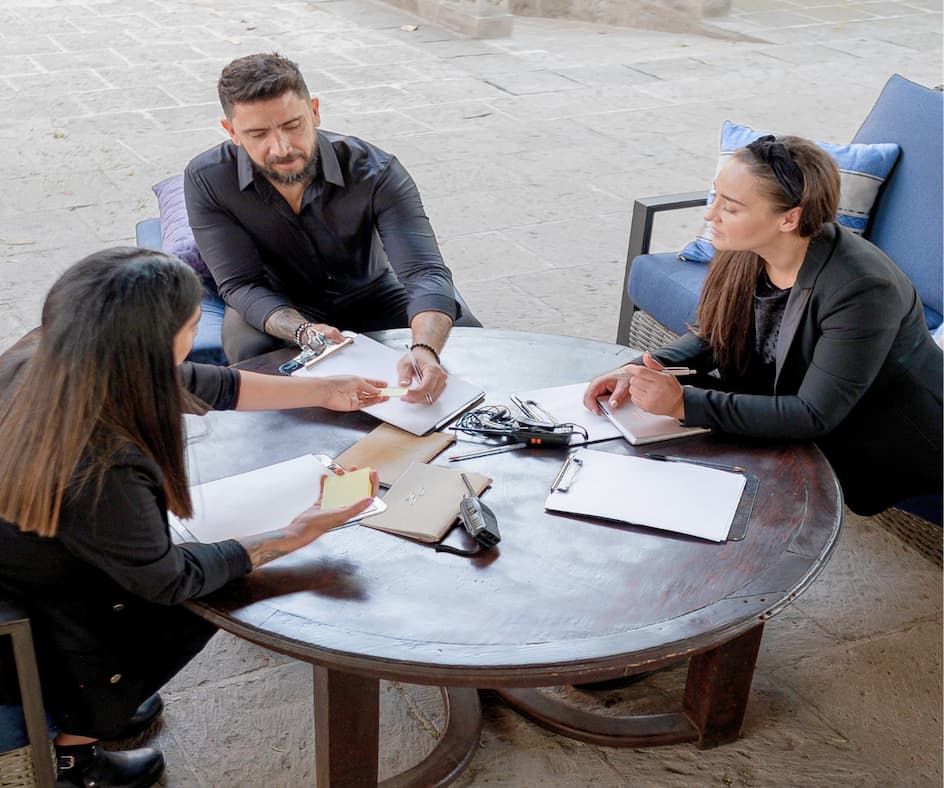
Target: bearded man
[{"x": 307, "y": 232}]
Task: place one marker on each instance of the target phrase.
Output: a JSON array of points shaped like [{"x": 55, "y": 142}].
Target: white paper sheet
[
  {"x": 257, "y": 501},
  {"x": 370, "y": 359},
  {"x": 672, "y": 496}
]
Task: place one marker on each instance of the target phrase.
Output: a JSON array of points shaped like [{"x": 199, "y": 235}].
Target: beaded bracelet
[
  {"x": 300, "y": 331},
  {"x": 426, "y": 347}
]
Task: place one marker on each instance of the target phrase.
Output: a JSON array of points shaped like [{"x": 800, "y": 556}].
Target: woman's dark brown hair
[
  {"x": 101, "y": 376},
  {"x": 725, "y": 315}
]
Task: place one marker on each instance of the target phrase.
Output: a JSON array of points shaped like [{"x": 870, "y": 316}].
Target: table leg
[
  {"x": 715, "y": 699},
  {"x": 347, "y": 725},
  {"x": 718, "y": 686}
]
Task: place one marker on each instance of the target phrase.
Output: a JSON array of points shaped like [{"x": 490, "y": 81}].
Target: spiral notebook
[{"x": 638, "y": 426}]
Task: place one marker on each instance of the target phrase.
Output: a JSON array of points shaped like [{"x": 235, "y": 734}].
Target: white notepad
[
  {"x": 672, "y": 496},
  {"x": 257, "y": 501},
  {"x": 638, "y": 426},
  {"x": 368, "y": 358}
]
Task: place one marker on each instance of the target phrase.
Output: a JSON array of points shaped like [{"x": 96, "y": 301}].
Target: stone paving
[{"x": 529, "y": 152}]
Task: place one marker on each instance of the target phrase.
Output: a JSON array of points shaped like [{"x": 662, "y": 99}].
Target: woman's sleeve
[
  {"x": 857, "y": 325},
  {"x": 217, "y": 386},
  {"x": 125, "y": 535}
]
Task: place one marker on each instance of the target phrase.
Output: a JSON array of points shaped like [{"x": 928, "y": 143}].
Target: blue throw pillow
[
  {"x": 862, "y": 170},
  {"x": 176, "y": 235}
]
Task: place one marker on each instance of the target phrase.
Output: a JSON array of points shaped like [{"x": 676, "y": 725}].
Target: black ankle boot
[
  {"x": 87, "y": 765},
  {"x": 142, "y": 719}
]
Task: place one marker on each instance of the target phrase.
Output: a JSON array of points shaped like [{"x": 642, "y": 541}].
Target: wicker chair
[{"x": 33, "y": 764}]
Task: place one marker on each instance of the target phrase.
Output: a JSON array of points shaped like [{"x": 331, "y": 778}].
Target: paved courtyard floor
[{"x": 529, "y": 152}]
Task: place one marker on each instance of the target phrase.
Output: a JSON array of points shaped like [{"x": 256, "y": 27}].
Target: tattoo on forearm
[
  {"x": 265, "y": 547},
  {"x": 283, "y": 322}
]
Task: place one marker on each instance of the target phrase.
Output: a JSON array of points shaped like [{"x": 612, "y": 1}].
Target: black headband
[{"x": 776, "y": 156}]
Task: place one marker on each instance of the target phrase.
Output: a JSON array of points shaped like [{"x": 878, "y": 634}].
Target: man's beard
[{"x": 305, "y": 175}]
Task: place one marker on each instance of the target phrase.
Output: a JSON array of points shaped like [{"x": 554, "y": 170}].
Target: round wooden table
[{"x": 561, "y": 600}]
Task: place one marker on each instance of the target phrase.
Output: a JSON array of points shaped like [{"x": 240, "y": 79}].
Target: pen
[
  {"x": 678, "y": 372},
  {"x": 416, "y": 371},
  {"x": 486, "y": 452},
  {"x": 704, "y": 463}
]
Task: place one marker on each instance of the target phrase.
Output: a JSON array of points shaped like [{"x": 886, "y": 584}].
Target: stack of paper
[{"x": 258, "y": 501}]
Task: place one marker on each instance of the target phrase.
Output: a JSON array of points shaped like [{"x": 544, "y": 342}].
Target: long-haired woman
[
  {"x": 91, "y": 408},
  {"x": 813, "y": 332}
]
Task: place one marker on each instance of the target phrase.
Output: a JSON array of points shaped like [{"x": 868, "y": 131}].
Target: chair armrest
[
  {"x": 147, "y": 233},
  {"x": 640, "y": 234}
]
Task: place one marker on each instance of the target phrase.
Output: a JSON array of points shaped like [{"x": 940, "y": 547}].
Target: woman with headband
[{"x": 812, "y": 332}]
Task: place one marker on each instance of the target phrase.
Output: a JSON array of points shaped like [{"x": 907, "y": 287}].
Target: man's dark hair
[{"x": 257, "y": 78}]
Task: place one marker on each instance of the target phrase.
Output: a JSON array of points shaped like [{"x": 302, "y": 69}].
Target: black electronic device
[
  {"x": 480, "y": 521},
  {"x": 496, "y": 421}
]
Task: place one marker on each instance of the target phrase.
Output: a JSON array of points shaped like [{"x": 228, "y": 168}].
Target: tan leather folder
[
  {"x": 390, "y": 451},
  {"x": 424, "y": 502}
]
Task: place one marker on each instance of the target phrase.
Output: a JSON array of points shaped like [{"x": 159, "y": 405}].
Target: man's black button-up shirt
[{"x": 360, "y": 216}]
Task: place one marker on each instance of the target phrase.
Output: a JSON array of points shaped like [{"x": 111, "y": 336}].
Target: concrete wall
[
  {"x": 472, "y": 18},
  {"x": 494, "y": 18}
]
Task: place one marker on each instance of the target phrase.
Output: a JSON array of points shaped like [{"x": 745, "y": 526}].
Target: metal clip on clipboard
[
  {"x": 566, "y": 475},
  {"x": 310, "y": 356}
]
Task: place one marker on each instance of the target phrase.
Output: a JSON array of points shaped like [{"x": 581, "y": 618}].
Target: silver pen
[
  {"x": 486, "y": 452},
  {"x": 416, "y": 371}
]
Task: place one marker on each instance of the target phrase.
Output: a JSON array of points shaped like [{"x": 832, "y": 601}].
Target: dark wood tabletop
[{"x": 562, "y": 599}]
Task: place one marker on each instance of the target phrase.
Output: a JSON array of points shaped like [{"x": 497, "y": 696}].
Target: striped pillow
[{"x": 862, "y": 170}]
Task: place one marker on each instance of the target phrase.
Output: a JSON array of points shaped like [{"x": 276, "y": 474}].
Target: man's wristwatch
[{"x": 307, "y": 336}]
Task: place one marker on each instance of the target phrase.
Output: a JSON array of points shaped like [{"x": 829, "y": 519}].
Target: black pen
[{"x": 705, "y": 463}]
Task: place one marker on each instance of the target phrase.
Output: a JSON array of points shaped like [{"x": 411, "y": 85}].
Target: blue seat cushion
[
  {"x": 208, "y": 345},
  {"x": 667, "y": 288},
  {"x": 862, "y": 170},
  {"x": 906, "y": 222}
]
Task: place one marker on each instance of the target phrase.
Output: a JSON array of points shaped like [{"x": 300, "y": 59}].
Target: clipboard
[
  {"x": 683, "y": 498},
  {"x": 309, "y": 357}
]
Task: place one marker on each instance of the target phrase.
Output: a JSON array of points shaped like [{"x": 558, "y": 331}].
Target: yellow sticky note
[
  {"x": 347, "y": 489},
  {"x": 393, "y": 392}
]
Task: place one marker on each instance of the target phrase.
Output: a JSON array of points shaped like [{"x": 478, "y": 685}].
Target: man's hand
[
  {"x": 432, "y": 377},
  {"x": 421, "y": 365}
]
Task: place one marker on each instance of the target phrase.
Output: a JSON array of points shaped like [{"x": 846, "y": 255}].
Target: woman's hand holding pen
[{"x": 651, "y": 386}]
